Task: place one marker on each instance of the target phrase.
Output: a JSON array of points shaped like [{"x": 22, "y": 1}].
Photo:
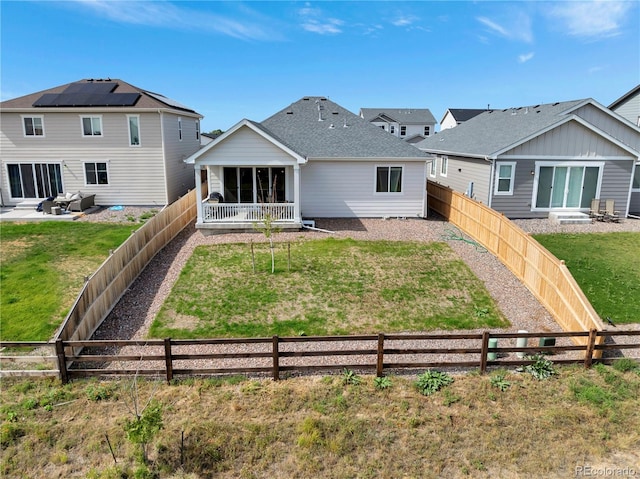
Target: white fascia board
[
  {"x": 604, "y": 110},
  {"x": 244, "y": 123},
  {"x": 375, "y": 159},
  {"x": 456, "y": 153},
  {"x": 100, "y": 109}
]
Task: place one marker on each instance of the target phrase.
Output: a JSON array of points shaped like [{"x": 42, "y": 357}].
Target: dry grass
[{"x": 319, "y": 427}]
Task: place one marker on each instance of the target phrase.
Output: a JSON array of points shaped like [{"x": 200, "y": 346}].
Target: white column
[
  {"x": 296, "y": 193},
  {"x": 199, "y": 193}
]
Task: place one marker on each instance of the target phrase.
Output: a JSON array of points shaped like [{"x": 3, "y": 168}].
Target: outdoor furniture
[
  {"x": 46, "y": 206},
  {"x": 594, "y": 211},
  {"x": 83, "y": 203},
  {"x": 62, "y": 201},
  {"x": 610, "y": 213}
]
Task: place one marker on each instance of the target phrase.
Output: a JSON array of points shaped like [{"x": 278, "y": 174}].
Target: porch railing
[{"x": 247, "y": 212}]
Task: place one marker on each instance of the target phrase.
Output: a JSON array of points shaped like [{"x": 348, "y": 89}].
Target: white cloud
[
  {"x": 592, "y": 19},
  {"x": 331, "y": 26},
  {"x": 404, "y": 21},
  {"x": 163, "y": 14},
  {"x": 515, "y": 27},
  {"x": 525, "y": 57},
  {"x": 313, "y": 21}
]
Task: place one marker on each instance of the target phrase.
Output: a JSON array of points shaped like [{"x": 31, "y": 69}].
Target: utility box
[{"x": 547, "y": 342}]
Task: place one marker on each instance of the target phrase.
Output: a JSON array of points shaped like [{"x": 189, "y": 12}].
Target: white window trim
[
  {"x": 129, "y": 130},
  {"x": 538, "y": 164},
  {"x": 101, "y": 135},
  {"x": 403, "y": 130},
  {"x": 498, "y": 178},
  {"x": 433, "y": 168},
  {"x": 375, "y": 180},
  {"x": 444, "y": 166},
  {"x": 180, "y": 128},
  {"x": 198, "y": 130},
  {"x": 96, "y": 184},
  {"x": 24, "y": 128}
]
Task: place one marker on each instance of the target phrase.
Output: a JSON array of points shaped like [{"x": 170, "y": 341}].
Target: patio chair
[
  {"x": 46, "y": 206},
  {"x": 594, "y": 211},
  {"x": 610, "y": 213}
]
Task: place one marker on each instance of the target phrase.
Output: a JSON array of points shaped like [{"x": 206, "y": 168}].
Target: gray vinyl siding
[
  {"x": 346, "y": 189},
  {"x": 471, "y": 169},
  {"x": 518, "y": 205},
  {"x": 617, "y": 129},
  {"x": 630, "y": 110},
  {"x": 616, "y": 182},
  {"x": 569, "y": 140}
]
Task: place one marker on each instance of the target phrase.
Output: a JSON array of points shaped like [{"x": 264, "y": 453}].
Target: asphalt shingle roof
[
  {"x": 404, "y": 116},
  {"x": 147, "y": 99},
  {"x": 316, "y": 127},
  {"x": 495, "y": 130}
]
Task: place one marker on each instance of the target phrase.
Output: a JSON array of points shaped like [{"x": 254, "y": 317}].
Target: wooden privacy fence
[
  {"x": 274, "y": 356},
  {"x": 542, "y": 273},
  {"x": 104, "y": 288}
]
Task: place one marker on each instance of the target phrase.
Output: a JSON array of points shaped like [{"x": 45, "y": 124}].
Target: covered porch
[{"x": 240, "y": 198}]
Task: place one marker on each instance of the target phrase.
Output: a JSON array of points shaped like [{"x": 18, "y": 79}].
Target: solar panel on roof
[
  {"x": 91, "y": 87},
  {"x": 87, "y": 99}
]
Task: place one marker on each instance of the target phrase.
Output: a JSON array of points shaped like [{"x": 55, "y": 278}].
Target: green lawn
[
  {"x": 333, "y": 287},
  {"x": 42, "y": 269},
  {"x": 607, "y": 268}
]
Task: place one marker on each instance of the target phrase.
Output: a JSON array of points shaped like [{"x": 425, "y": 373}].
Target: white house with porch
[{"x": 313, "y": 159}]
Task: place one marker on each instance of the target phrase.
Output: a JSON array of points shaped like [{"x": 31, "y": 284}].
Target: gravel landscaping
[{"x": 132, "y": 316}]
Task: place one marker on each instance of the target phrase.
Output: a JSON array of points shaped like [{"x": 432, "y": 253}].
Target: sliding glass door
[
  {"x": 254, "y": 185},
  {"x": 566, "y": 186},
  {"x": 34, "y": 180}
]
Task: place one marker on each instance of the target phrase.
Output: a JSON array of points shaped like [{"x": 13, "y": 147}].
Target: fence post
[
  {"x": 168, "y": 360},
  {"x": 591, "y": 344},
  {"x": 484, "y": 352},
  {"x": 62, "y": 361},
  {"x": 276, "y": 358},
  {"x": 380, "y": 359}
]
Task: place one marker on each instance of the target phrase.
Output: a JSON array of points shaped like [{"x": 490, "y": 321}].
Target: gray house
[
  {"x": 530, "y": 161},
  {"x": 105, "y": 137},
  {"x": 313, "y": 159},
  {"x": 628, "y": 106}
]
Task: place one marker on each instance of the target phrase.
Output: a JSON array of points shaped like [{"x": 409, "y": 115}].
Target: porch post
[
  {"x": 296, "y": 193},
  {"x": 199, "y": 193}
]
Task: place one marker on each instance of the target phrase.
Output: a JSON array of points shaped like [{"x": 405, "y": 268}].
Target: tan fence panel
[
  {"x": 107, "y": 285},
  {"x": 541, "y": 272}
]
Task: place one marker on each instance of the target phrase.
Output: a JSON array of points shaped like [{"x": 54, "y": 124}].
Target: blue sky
[{"x": 235, "y": 60}]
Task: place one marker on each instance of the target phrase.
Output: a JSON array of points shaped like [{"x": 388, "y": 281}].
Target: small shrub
[
  {"x": 381, "y": 383},
  {"x": 431, "y": 381},
  {"x": 9, "y": 433},
  {"x": 100, "y": 392},
  {"x": 350, "y": 377},
  {"x": 624, "y": 365},
  {"x": 542, "y": 368},
  {"x": 499, "y": 381}
]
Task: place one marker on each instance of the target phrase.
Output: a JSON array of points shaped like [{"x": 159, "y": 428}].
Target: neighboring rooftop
[
  {"x": 494, "y": 130},
  {"x": 93, "y": 93},
  {"x": 403, "y": 116},
  {"x": 316, "y": 127},
  {"x": 631, "y": 93},
  {"x": 463, "y": 114}
]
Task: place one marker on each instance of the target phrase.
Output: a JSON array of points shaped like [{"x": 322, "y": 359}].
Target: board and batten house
[
  {"x": 530, "y": 161},
  {"x": 313, "y": 159},
  {"x": 105, "y": 137}
]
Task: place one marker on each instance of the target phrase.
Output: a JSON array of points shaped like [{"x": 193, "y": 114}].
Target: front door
[{"x": 566, "y": 186}]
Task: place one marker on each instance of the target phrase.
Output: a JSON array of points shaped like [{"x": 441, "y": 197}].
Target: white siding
[
  {"x": 448, "y": 122},
  {"x": 137, "y": 175},
  {"x": 346, "y": 189}
]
